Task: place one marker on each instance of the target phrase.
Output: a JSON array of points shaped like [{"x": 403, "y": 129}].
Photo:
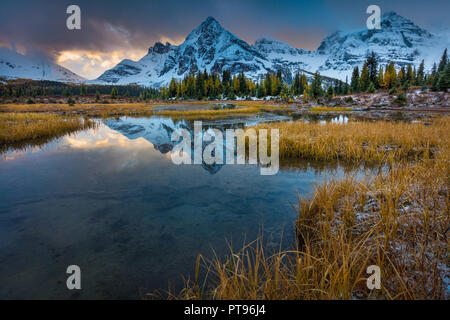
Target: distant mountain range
[{"x": 212, "y": 48}]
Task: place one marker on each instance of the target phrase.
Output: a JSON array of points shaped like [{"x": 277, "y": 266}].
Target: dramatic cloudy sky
[{"x": 112, "y": 30}]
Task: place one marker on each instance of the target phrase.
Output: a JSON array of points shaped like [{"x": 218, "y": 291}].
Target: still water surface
[{"x": 111, "y": 201}]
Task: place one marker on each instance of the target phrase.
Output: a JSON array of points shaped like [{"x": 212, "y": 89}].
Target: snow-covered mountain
[
  {"x": 14, "y": 65},
  {"x": 211, "y": 47},
  {"x": 208, "y": 47},
  {"x": 399, "y": 40}
]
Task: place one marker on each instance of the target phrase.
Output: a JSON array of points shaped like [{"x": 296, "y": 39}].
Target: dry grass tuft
[
  {"x": 397, "y": 220},
  {"x": 18, "y": 130},
  {"x": 356, "y": 142},
  {"x": 330, "y": 109},
  {"x": 91, "y": 110}
]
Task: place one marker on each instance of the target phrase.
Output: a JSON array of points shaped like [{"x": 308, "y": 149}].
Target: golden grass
[
  {"x": 207, "y": 114},
  {"x": 92, "y": 110},
  {"x": 144, "y": 109},
  {"x": 19, "y": 130},
  {"x": 371, "y": 142},
  {"x": 211, "y": 114},
  {"x": 330, "y": 109},
  {"x": 398, "y": 220}
]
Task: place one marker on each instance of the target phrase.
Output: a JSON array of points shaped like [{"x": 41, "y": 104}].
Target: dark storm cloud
[
  {"x": 105, "y": 24},
  {"x": 109, "y": 24},
  {"x": 134, "y": 25}
]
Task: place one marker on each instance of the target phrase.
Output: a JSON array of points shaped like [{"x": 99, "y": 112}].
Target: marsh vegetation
[
  {"x": 397, "y": 219},
  {"x": 18, "y": 130}
]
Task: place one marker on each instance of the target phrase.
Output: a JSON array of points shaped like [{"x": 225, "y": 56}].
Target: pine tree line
[
  {"x": 212, "y": 86},
  {"x": 372, "y": 78}
]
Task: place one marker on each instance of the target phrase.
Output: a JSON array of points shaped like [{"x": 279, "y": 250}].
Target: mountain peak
[
  {"x": 392, "y": 18},
  {"x": 210, "y": 21},
  {"x": 207, "y": 31},
  {"x": 210, "y": 25},
  {"x": 393, "y": 21},
  {"x": 392, "y": 14}
]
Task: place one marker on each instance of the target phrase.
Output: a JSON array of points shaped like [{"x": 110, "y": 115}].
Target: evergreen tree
[
  {"x": 268, "y": 84},
  {"x": 410, "y": 75},
  {"x": 316, "y": 86},
  {"x": 243, "y": 87},
  {"x": 355, "y": 83},
  {"x": 443, "y": 83},
  {"x": 260, "y": 91},
  {"x": 432, "y": 76},
  {"x": 114, "y": 93},
  {"x": 66, "y": 93},
  {"x": 443, "y": 62},
  {"x": 401, "y": 76},
  {"x": 372, "y": 66},
  {"x": 226, "y": 78},
  {"x": 365, "y": 78},
  {"x": 421, "y": 74},
  {"x": 200, "y": 86},
  {"x": 330, "y": 92},
  {"x": 346, "y": 88},
  {"x": 295, "y": 88}
]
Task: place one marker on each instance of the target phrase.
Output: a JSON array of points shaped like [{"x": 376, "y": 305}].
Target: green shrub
[
  {"x": 393, "y": 91},
  {"x": 401, "y": 99}
]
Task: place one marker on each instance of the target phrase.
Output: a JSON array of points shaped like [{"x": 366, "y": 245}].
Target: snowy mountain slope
[
  {"x": 210, "y": 47},
  {"x": 399, "y": 40},
  {"x": 14, "y": 65},
  {"x": 282, "y": 56},
  {"x": 149, "y": 67}
]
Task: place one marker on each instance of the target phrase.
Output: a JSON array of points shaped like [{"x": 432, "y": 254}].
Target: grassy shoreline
[
  {"x": 143, "y": 109},
  {"x": 397, "y": 220},
  {"x": 19, "y": 130},
  {"x": 378, "y": 142}
]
